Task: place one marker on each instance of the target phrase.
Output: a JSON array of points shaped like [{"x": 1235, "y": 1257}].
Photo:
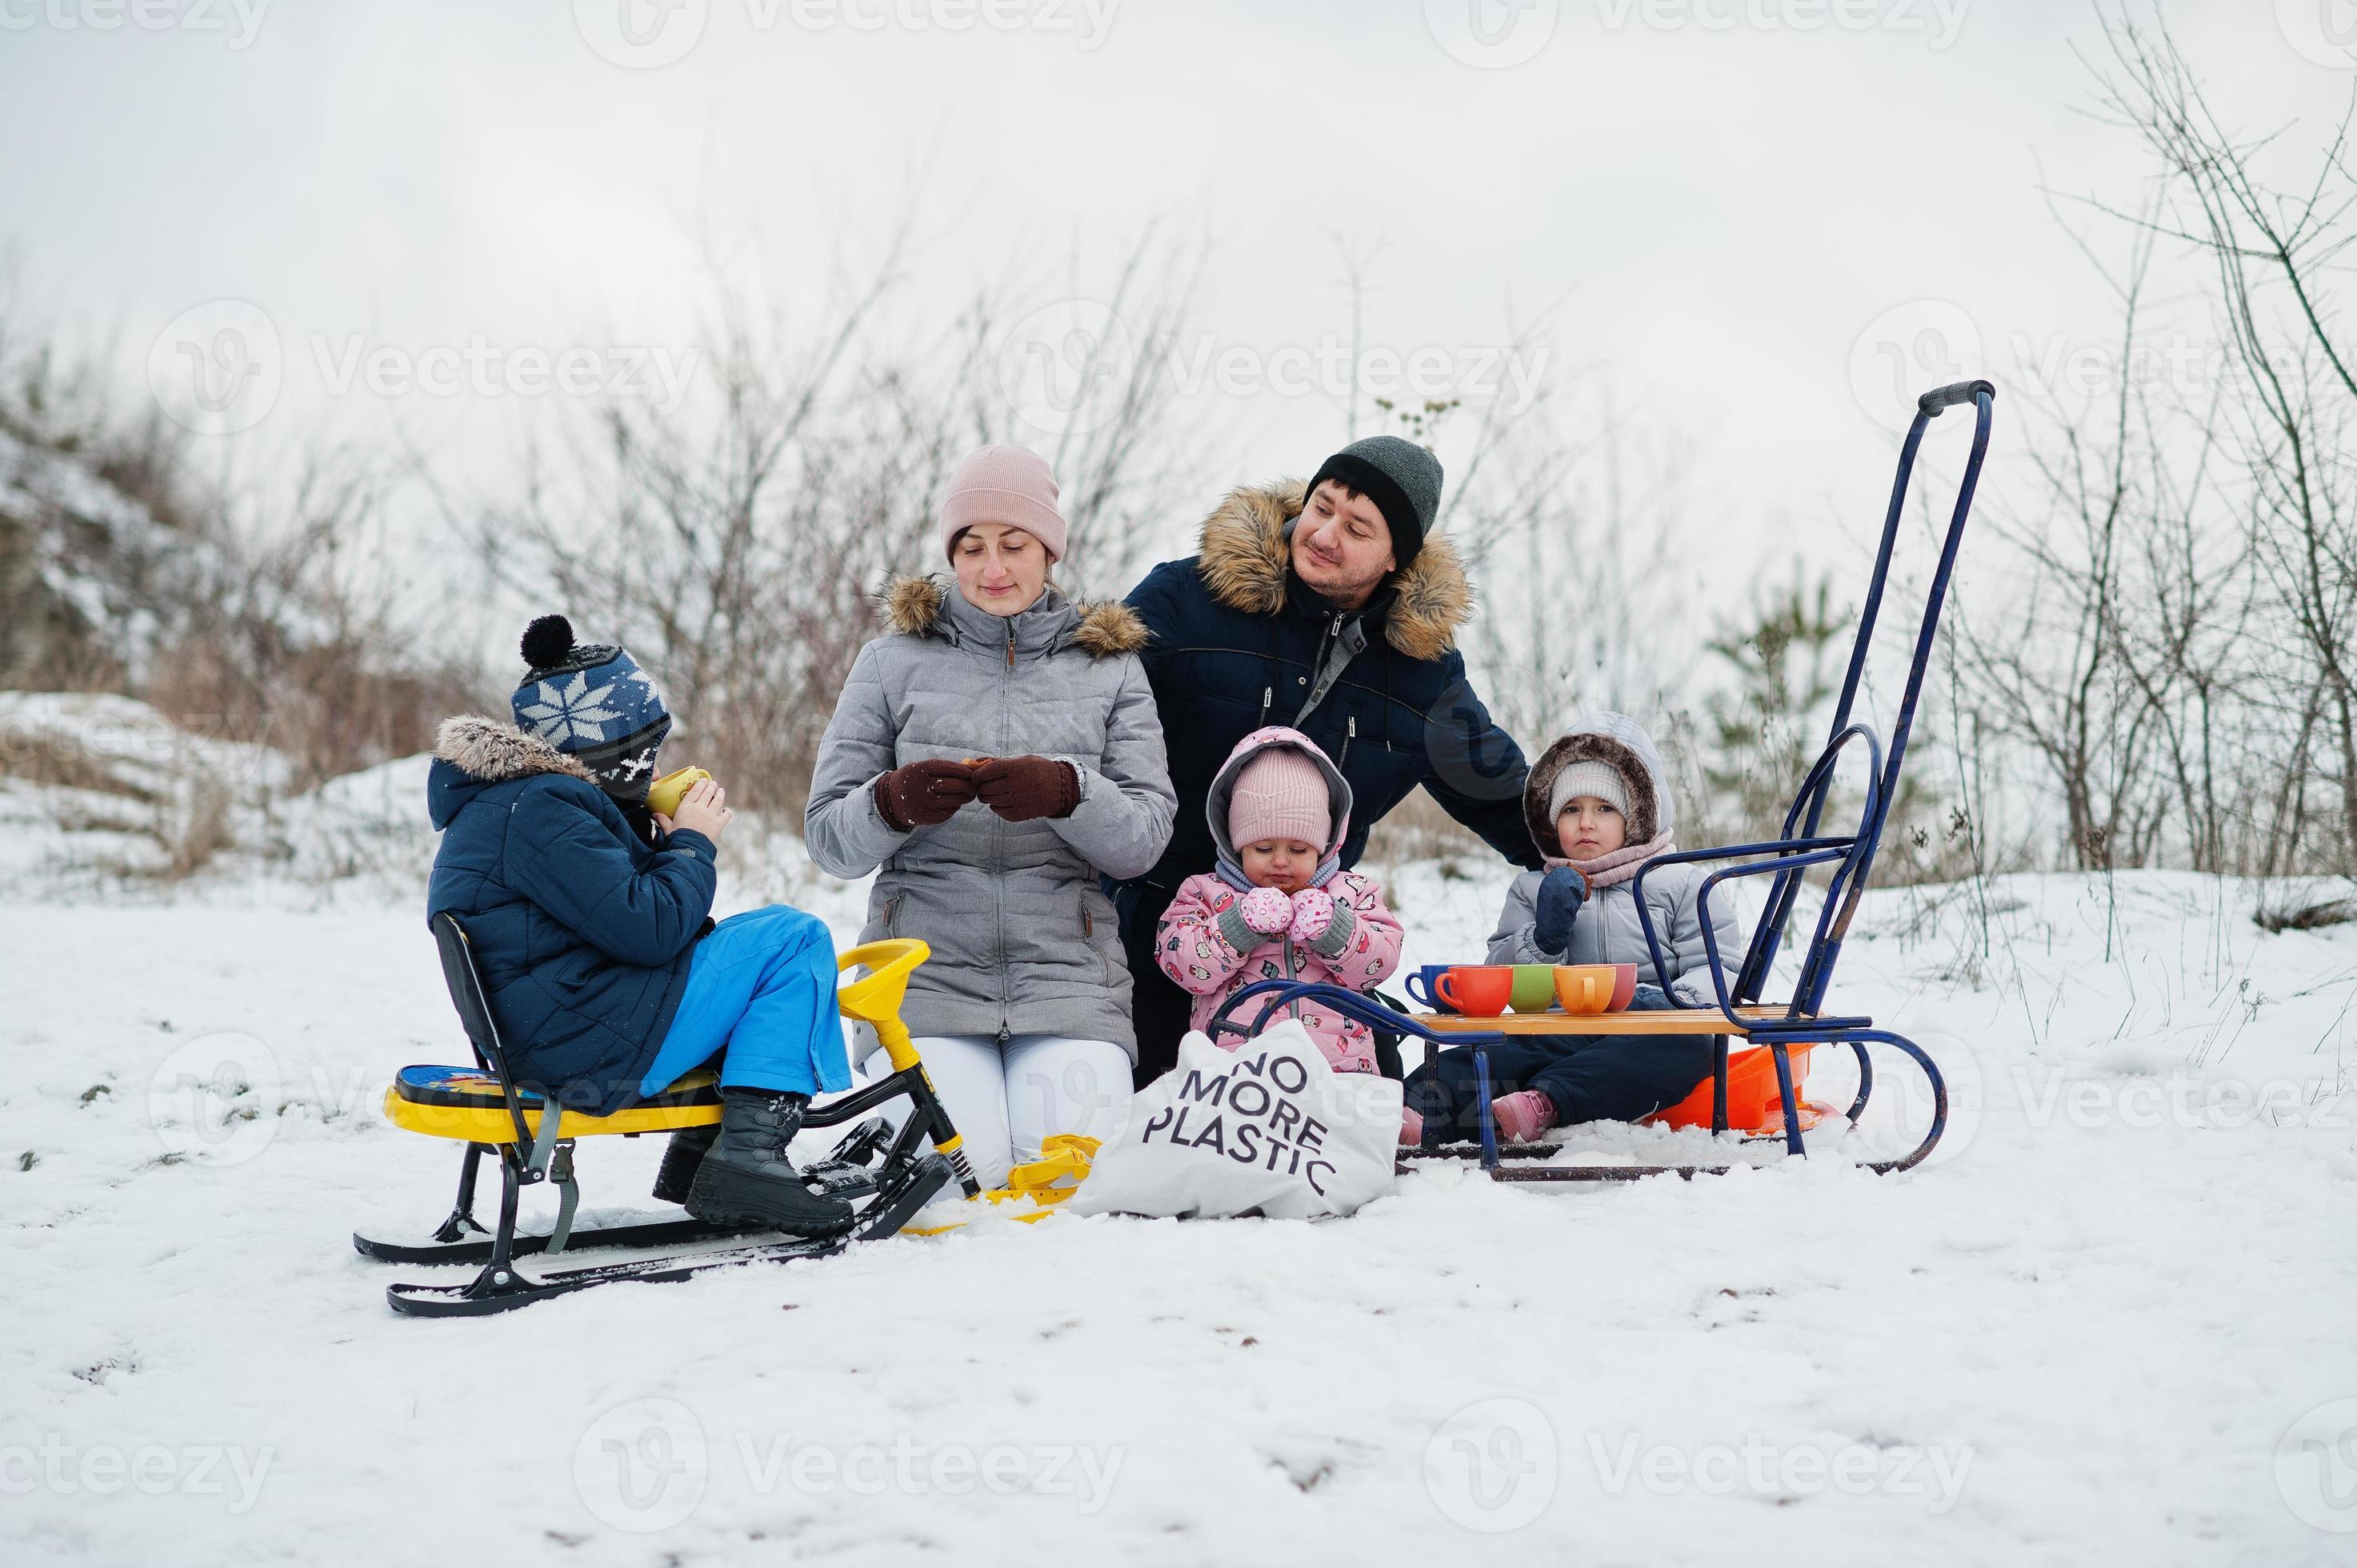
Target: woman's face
[{"x": 999, "y": 567}]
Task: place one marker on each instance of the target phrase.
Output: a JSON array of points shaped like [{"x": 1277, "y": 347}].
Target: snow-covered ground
[{"x": 2108, "y": 1321}]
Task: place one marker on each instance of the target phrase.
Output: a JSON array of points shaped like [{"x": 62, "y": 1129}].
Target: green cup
[{"x": 1533, "y": 987}]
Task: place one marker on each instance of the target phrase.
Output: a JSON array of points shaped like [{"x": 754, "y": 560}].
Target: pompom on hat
[{"x": 592, "y": 701}]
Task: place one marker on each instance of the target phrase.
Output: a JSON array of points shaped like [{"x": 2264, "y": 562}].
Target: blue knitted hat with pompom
[{"x": 592, "y": 701}]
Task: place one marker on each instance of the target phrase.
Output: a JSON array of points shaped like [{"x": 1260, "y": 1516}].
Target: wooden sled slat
[{"x": 1678, "y": 1021}]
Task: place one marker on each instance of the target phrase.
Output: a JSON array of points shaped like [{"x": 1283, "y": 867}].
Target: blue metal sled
[{"x": 1800, "y": 1019}]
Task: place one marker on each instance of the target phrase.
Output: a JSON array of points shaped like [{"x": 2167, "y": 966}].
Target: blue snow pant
[
  {"x": 760, "y": 997},
  {"x": 1594, "y": 1078}
]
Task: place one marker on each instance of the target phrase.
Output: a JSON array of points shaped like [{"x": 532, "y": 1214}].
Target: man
[{"x": 1330, "y": 609}]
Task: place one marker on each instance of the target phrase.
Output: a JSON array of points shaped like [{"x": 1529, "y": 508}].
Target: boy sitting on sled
[
  {"x": 1598, "y": 809},
  {"x": 589, "y": 917}
]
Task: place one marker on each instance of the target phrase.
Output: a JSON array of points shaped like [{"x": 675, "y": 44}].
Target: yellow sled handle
[{"x": 875, "y": 998}]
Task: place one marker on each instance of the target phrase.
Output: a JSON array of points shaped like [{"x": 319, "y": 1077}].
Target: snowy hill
[
  {"x": 2088, "y": 1330},
  {"x": 84, "y": 564}
]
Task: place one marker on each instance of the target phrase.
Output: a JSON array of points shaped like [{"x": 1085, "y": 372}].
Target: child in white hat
[{"x": 1598, "y": 808}]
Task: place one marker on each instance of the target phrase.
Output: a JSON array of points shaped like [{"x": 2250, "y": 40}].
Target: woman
[{"x": 993, "y": 755}]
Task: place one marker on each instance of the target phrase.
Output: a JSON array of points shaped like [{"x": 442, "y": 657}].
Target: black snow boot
[
  {"x": 680, "y": 1156},
  {"x": 747, "y": 1180}
]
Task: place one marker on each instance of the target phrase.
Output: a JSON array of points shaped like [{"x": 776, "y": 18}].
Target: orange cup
[
  {"x": 1590, "y": 988},
  {"x": 1477, "y": 990}
]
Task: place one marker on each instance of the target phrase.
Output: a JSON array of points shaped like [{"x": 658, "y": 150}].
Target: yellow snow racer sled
[{"x": 891, "y": 1175}]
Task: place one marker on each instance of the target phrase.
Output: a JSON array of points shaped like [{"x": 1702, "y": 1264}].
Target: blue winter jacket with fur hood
[
  {"x": 1239, "y": 640},
  {"x": 582, "y": 930}
]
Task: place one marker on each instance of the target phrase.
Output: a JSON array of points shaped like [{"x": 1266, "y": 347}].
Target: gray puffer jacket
[
  {"x": 1023, "y": 941},
  {"x": 1607, "y": 930}
]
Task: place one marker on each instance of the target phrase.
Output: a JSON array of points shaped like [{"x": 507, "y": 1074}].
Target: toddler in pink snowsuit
[{"x": 1280, "y": 906}]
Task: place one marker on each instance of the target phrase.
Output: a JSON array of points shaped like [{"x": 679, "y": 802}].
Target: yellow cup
[
  {"x": 665, "y": 793},
  {"x": 1585, "y": 988}
]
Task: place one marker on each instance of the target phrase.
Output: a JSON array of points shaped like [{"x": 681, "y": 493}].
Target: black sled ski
[
  {"x": 477, "y": 1247},
  {"x": 501, "y": 1287}
]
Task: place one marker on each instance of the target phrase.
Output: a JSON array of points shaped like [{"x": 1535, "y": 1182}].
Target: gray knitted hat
[
  {"x": 1600, "y": 779},
  {"x": 1401, "y": 477}
]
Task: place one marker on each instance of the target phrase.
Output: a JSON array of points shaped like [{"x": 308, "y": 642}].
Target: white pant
[{"x": 1006, "y": 1102}]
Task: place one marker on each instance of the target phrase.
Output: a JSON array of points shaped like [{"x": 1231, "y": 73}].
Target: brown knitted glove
[
  {"x": 1024, "y": 789},
  {"x": 922, "y": 794}
]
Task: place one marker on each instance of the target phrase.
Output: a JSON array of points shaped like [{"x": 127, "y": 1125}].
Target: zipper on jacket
[
  {"x": 1321, "y": 687},
  {"x": 1350, "y": 735},
  {"x": 1292, "y": 1009},
  {"x": 1268, "y": 701},
  {"x": 1325, "y": 647},
  {"x": 997, "y": 859}
]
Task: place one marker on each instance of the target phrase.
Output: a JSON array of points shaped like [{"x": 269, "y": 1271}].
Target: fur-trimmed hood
[
  {"x": 492, "y": 753},
  {"x": 922, "y": 606},
  {"x": 472, "y": 753},
  {"x": 1245, "y": 555},
  {"x": 1619, "y": 743}
]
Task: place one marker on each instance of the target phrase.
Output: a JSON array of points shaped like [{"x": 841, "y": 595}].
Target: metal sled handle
[{"x": 1940, "y": 398}]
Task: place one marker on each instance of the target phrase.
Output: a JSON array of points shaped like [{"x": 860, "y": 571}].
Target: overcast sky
[{"x": 1722, "y": 198}]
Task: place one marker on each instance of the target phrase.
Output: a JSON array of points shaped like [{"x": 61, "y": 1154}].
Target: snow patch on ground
[{"x": 2086, "y": 1331}]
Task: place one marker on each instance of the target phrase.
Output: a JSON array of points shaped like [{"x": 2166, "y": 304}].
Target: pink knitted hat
[
  {"x": 1280, "y": 794},
  {"x": 1004, "y": 484}
]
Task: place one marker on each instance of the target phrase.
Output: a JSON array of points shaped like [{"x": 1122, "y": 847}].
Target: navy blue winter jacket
[
  {"x": 582, "y": 931},
  {"x": 1238, "y": 642}
]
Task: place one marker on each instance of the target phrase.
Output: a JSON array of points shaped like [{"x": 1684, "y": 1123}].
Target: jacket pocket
[
  {"x": 885, "y": 903},
  {"x": 1100, "y": 930}
]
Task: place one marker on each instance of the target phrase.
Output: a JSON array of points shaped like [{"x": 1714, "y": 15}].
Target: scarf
[{"x": 1608, "y": 870}]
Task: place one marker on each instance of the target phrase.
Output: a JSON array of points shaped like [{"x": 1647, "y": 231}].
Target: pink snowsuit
[{"x": 1196, "y": 944}]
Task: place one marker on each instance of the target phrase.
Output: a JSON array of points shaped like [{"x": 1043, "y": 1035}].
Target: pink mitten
[
  {"x": 1266, "y": 910},
  {"x": 1313, "y": 911}
]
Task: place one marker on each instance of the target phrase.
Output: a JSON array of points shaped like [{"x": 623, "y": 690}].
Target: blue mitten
[{"x": 1560, "y": 897}]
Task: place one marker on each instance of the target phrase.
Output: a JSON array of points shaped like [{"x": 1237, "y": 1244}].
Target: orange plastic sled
[{"x": 1752, "y": 1102}]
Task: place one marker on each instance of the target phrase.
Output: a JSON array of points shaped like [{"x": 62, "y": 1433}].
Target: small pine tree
[{"x": 1767, "y": 727}]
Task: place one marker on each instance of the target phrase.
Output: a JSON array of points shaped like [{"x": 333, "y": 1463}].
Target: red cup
[{"x": 1475, "y": 990}]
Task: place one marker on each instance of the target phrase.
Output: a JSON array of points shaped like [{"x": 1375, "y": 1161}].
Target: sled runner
[
  {"x": 484, "y": 1107},
  {"x": 1780, "y": 1028}
]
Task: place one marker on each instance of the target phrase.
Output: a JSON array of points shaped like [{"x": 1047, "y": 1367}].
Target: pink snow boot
[
  {"x": 1522, "y": 1117},
  {"x": 1411, "y": 1128}
]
